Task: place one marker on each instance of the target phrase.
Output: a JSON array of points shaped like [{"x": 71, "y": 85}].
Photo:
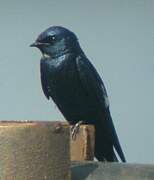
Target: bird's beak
[
  {"x": 38, "y": 44},
  {"x": 35, "y": 44}
]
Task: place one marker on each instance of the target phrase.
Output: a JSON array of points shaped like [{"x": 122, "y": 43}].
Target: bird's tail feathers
[{"x": 116, "y": 142}]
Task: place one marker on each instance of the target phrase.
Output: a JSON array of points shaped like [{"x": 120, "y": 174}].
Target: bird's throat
[{"x": 46, "y": 56}]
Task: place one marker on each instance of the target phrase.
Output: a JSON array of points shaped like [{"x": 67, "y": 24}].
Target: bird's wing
[
  {"x": 91, "y": 81},
  {"x": 94, "y": 86},
  {"x": 44, "y": 81}
]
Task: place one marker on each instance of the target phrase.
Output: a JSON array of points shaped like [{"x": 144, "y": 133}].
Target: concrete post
[{"x": 34, "y": 151}]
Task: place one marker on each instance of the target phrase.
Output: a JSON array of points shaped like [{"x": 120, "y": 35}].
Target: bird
[{"x": 73, "y": 83}]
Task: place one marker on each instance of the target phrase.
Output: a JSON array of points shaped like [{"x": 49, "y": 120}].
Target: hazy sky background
[{"x": 117, "y": 36}]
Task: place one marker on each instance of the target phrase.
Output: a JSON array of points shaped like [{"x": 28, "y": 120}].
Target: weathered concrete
[
  {"x": 82, "y": 146},
  {"x": 34, "y": 151},
  {"x": 111, "y": 171}
]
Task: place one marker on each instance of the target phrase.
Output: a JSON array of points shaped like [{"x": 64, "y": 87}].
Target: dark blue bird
[{"x": 73, "y": 83}]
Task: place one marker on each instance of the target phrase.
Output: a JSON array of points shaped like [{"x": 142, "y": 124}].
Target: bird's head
[{"x": 55, "y": 41}]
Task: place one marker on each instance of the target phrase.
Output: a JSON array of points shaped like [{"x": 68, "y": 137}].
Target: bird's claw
[{"x": 75, "y": 129}]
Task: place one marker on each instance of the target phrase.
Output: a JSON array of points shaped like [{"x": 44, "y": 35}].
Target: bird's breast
[{"x": 67, "y": 91}]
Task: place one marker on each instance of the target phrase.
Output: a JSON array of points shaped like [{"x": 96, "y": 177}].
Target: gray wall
[{"x": 118, "y": 38}]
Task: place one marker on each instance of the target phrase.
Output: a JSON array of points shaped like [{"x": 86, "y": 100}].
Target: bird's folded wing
[
  {"x": 94, "y": 86},
  {"x": 91, "y": 81}
]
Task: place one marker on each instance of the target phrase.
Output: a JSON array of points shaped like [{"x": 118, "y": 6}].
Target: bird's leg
[{"x": 75, "y": 129}]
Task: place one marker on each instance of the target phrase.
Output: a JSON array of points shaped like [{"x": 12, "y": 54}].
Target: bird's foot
[{"x": 75, "y": 129}]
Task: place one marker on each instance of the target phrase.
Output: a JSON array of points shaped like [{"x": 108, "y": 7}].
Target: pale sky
[{"x": 118, "y": 38}]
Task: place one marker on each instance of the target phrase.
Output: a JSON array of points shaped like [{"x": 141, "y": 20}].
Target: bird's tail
[
  {"x": 115, "y": 140},
  {"x": 107, "y": 140}
]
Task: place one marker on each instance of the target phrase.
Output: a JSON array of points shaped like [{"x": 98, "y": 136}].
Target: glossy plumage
[{"x": 73, "y": 83}]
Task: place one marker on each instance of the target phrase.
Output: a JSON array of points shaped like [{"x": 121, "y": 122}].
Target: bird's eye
[
  {"x": 49, "y": 39},
  {"x": 53, "y": 37}
]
